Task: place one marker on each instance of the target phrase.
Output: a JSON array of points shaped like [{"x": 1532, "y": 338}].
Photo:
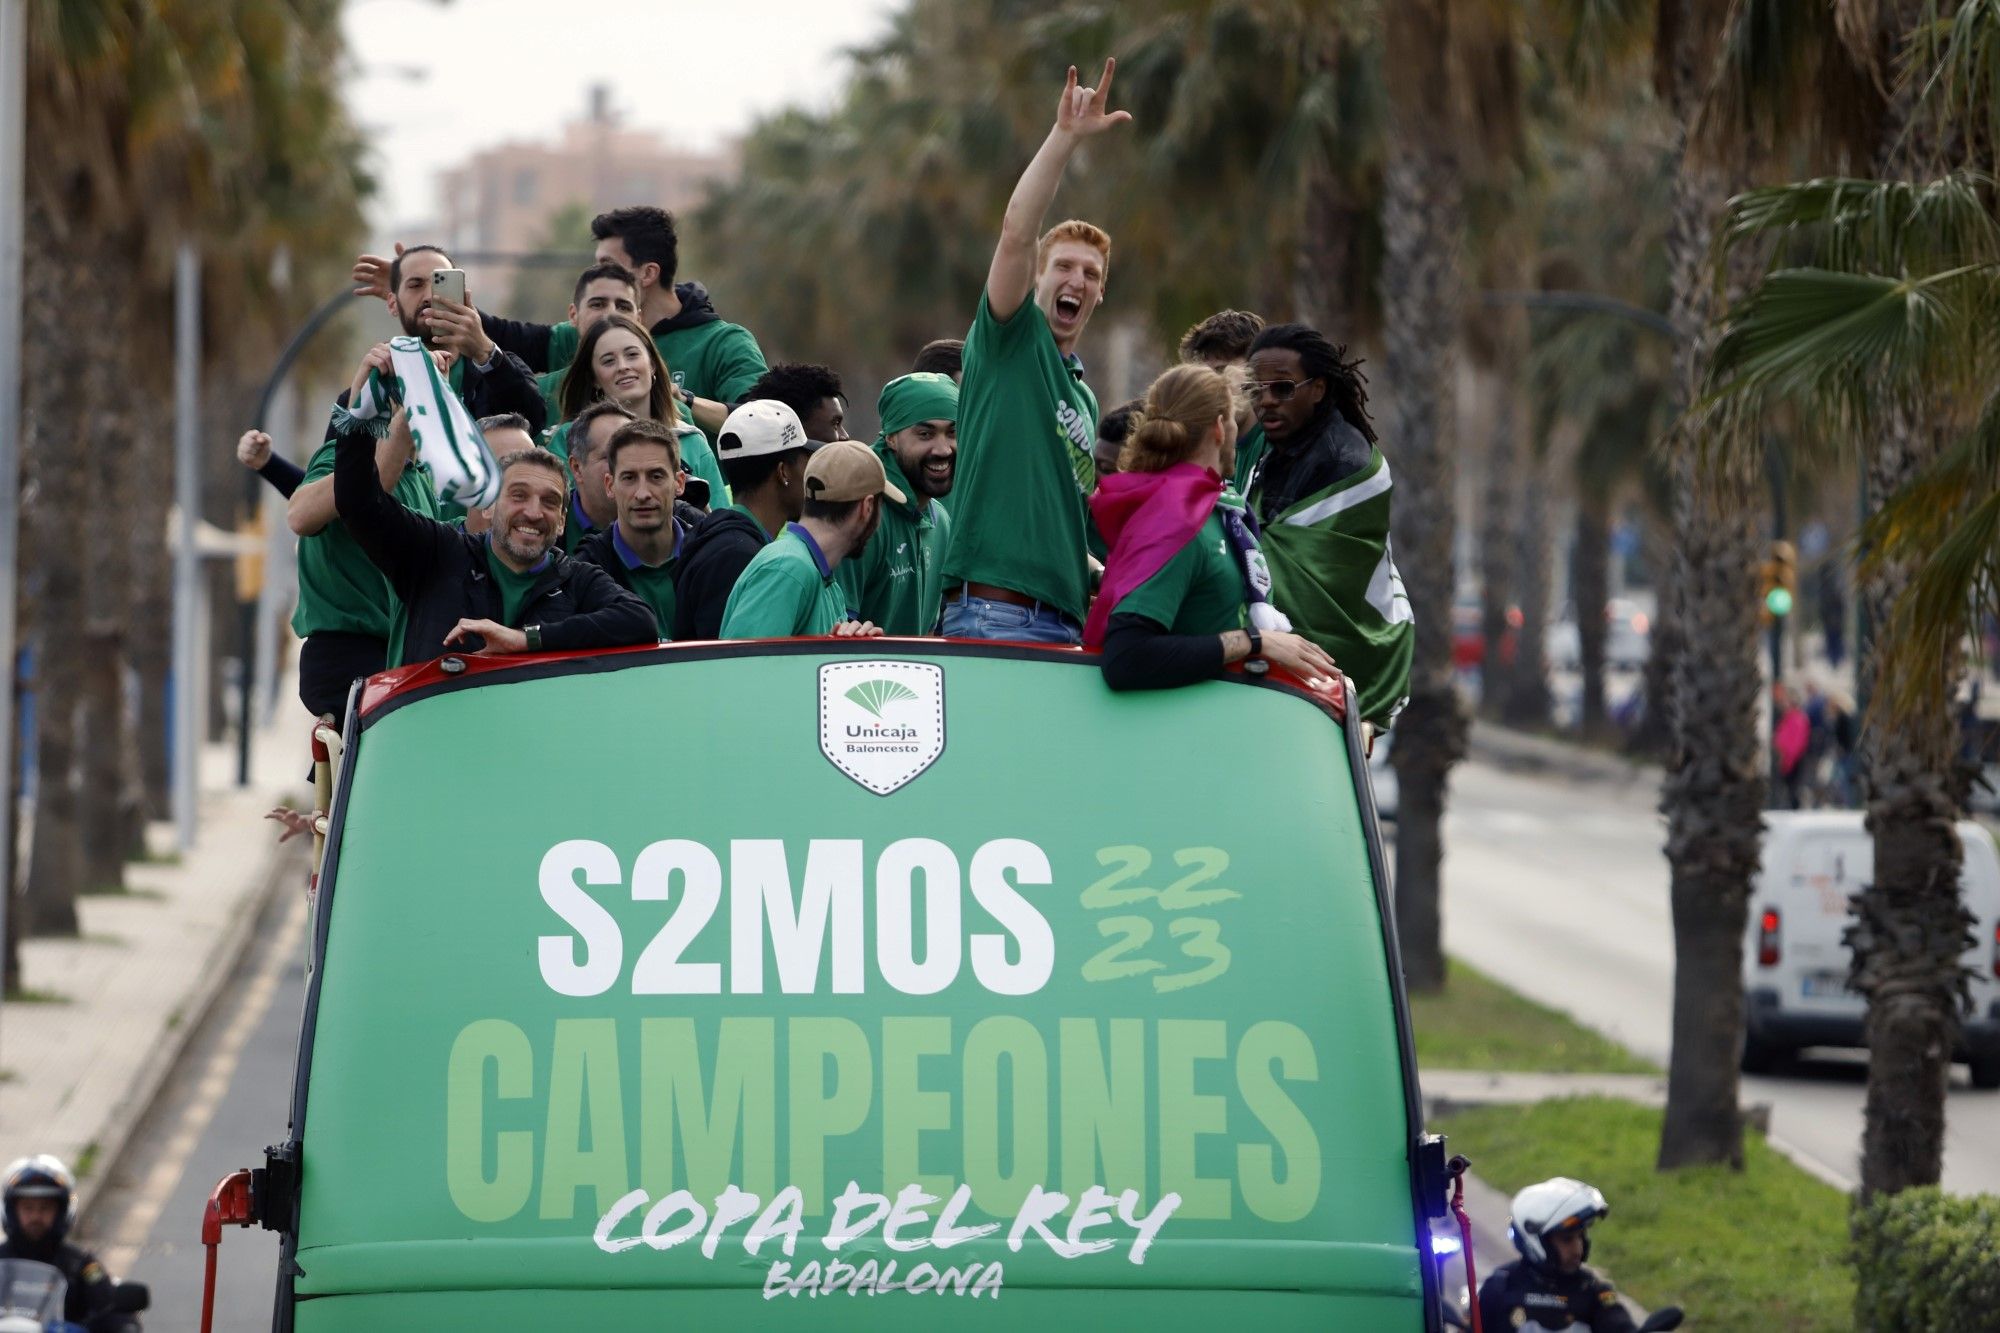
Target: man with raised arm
[{"x": 1018, "y": 567}]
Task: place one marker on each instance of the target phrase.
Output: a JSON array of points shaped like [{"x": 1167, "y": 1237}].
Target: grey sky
[{"x": 697, "y": 71}]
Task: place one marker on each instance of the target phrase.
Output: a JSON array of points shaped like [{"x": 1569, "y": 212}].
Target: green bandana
[{"x": 923, "y": 396}]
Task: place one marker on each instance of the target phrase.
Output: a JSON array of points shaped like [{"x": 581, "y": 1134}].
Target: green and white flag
[
  {"x": 1332, "y": 572},
  {"x": 447, "y": 438}
]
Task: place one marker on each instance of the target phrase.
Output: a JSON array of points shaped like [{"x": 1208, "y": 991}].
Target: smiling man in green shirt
[
  {"x": 1018, "y": 567},
  {"x": 897, "y": 579},
  {"x": 788, "y": 590}
]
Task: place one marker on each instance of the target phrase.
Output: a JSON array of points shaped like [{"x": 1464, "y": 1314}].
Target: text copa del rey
[{"x": 679, "y": 1217}]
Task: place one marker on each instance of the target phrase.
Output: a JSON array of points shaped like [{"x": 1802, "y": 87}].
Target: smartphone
[{"x": 448, "y": 284}]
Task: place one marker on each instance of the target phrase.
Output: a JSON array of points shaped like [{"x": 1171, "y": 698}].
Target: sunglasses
[{"x": 1280, "y": 390}]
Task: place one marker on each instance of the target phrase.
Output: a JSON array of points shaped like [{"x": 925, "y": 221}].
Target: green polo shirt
[
  {"x": 786, "y": 591},
  {"x": 1199, "y": 591},
  {"x": 897, "y": 580},
  {"x": 653, "y": 583},
  {"x": 1026, "y": 426},
  {"x": 340, "y": 589}
]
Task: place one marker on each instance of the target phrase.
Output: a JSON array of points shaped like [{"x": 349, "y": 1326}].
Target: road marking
[{"x": 150, "y": 1198}]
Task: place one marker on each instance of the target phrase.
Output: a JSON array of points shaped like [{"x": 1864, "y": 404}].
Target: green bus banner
[{"x": 797, "y": 986}]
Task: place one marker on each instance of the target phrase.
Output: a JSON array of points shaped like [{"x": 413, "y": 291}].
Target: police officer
[
  {"x": 39, "y": 1207},
  {"x": 1548, "y": 1287}
]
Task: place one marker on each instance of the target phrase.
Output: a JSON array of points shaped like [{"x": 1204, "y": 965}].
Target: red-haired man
[{"x": 1018, "y": 567}]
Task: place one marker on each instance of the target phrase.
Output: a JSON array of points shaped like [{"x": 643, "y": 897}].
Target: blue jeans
[{"x": 977, "y": 618}]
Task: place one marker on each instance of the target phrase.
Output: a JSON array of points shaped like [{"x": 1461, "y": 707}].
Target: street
[
  {"x": 1553, "y": 886},
  {"x": 228, "y": 1099},
  {"x": 1558, "y": 889}
]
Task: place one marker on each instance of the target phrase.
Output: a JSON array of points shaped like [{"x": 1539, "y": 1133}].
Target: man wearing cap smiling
[
  {"x": 789, "y": 590},
  {"x": 897, "y": 579}
]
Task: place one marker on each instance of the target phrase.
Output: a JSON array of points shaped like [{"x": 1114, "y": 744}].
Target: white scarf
[{"x": 447, "y": 438}]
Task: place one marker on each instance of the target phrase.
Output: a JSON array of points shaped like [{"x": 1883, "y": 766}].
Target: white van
[{"x": 1795, "y": 960}]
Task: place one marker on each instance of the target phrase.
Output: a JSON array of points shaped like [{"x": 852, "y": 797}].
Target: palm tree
[
  {"x": 1428, "y": 46},
  {"x": 159, "y": 120},
  {"x": 1875, "y": 327}
]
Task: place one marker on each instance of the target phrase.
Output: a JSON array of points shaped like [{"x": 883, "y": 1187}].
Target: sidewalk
[{"x": 81, "y": 1069}]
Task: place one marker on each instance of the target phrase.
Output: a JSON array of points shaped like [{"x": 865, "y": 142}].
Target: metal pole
[
  {"x": 13, "y": 205},
  {"x": 187, "y": 564}
]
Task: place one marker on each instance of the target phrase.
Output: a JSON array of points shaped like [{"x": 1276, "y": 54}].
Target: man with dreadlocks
[{"x": 1320, "y": 488}]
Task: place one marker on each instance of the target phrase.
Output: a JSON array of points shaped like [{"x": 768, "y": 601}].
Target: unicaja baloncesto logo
[{"x": 881, "y": 723}]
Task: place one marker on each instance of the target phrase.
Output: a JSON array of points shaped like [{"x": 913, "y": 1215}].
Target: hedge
[{"x": 1927, "y": 1261}]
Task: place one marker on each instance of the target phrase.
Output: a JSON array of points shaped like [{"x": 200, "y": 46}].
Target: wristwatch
[
  {"x": 534, "y": 636},
  {"x": 1255, "y": 663}
]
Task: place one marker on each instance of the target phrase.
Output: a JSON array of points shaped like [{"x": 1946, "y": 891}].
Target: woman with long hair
[
  {"x": 1185, "y": 589},
  {"x": 618, "y": 361}
]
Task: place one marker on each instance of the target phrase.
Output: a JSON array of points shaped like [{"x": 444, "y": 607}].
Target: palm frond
[
  {"x": 1959, "y": 59},
  {"x": 1856, "y": 225},
  {"x": 1841, "y": 345}
]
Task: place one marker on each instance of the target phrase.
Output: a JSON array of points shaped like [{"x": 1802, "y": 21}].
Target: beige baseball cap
[{"x": 847, "y": 470}]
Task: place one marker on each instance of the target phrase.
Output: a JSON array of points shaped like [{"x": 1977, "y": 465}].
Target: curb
[
  {"x": 1507, "y": 747},
  {"x": 228, "y": 951}
]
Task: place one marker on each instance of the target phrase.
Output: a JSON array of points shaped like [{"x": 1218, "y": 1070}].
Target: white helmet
[{"x": 1541, "y": 1210}]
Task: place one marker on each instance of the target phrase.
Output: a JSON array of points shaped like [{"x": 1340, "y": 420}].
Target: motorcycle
[{"x": 33, "y": 1294}]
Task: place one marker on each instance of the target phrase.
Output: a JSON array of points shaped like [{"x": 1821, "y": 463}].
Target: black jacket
[
  {"x": 90, "y": 1286},
  {"x": 1578, "y": 1300},
  {"x": 596, "y": 549},
  {"x": 440, "y": 572},
  {"x": 530, "y": 341},
  {"x": 712, "y": 558},
  {"x": 1286, "y": 476}
]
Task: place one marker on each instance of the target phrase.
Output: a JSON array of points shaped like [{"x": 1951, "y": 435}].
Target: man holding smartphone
[{"x": 428, "y": 298}]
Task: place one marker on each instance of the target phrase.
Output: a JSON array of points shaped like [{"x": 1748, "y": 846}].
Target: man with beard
[
  {"x": 509, "y": 590},
  {"x": 1019, "y": 564},
  {"x": 1321, "y": 491},
  {"x": 713, "y": 362},
  {"x": 897, "y": 579},
  {"x": 813, "y": 392},
  {"x": 641, "y": 548},
  {"x": 763, "y": 451},
  {"x": 789, "y": 590}
]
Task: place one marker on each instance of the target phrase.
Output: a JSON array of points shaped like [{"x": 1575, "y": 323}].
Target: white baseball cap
[{"x": 765, "y": 426}]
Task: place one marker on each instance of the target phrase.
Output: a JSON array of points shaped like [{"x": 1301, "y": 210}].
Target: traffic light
[{"x": 1779, "y": 574}]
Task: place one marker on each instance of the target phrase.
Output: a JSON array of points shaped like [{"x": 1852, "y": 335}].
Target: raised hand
[
  {"x": 1085, "y": 111},
  {"x": 378, "y": 358},
  {"x": 254, "y": 449},
  {"x": 371, "y": 274}
]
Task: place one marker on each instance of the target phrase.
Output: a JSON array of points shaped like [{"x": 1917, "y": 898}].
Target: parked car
[
  {"x": 1795, "y": 961},
  {"x": 1628, "y": 638}
]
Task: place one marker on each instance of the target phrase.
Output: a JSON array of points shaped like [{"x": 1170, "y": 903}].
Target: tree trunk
[
  {"x": 1423, "y": 226},
  {"x": 1529, "y": 700},
  {"x": 1910, "y": 924},
  {"x": 1590, "y": 576},
  {"x": 1714, "y": 784},
  {"x": 58, "y": 458}
]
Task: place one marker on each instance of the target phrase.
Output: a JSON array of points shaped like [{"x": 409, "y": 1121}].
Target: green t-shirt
[
  {"x": 1026, "y": 426},
  {"x": 897, "y": 580},
  {"x": 340, "y": 589},
  {"x": 514, "y": 588},
  {"x": 653, "y": 583},
  {"x": 784, "y": 592},
  {"x": 1199, "y": 591}
]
